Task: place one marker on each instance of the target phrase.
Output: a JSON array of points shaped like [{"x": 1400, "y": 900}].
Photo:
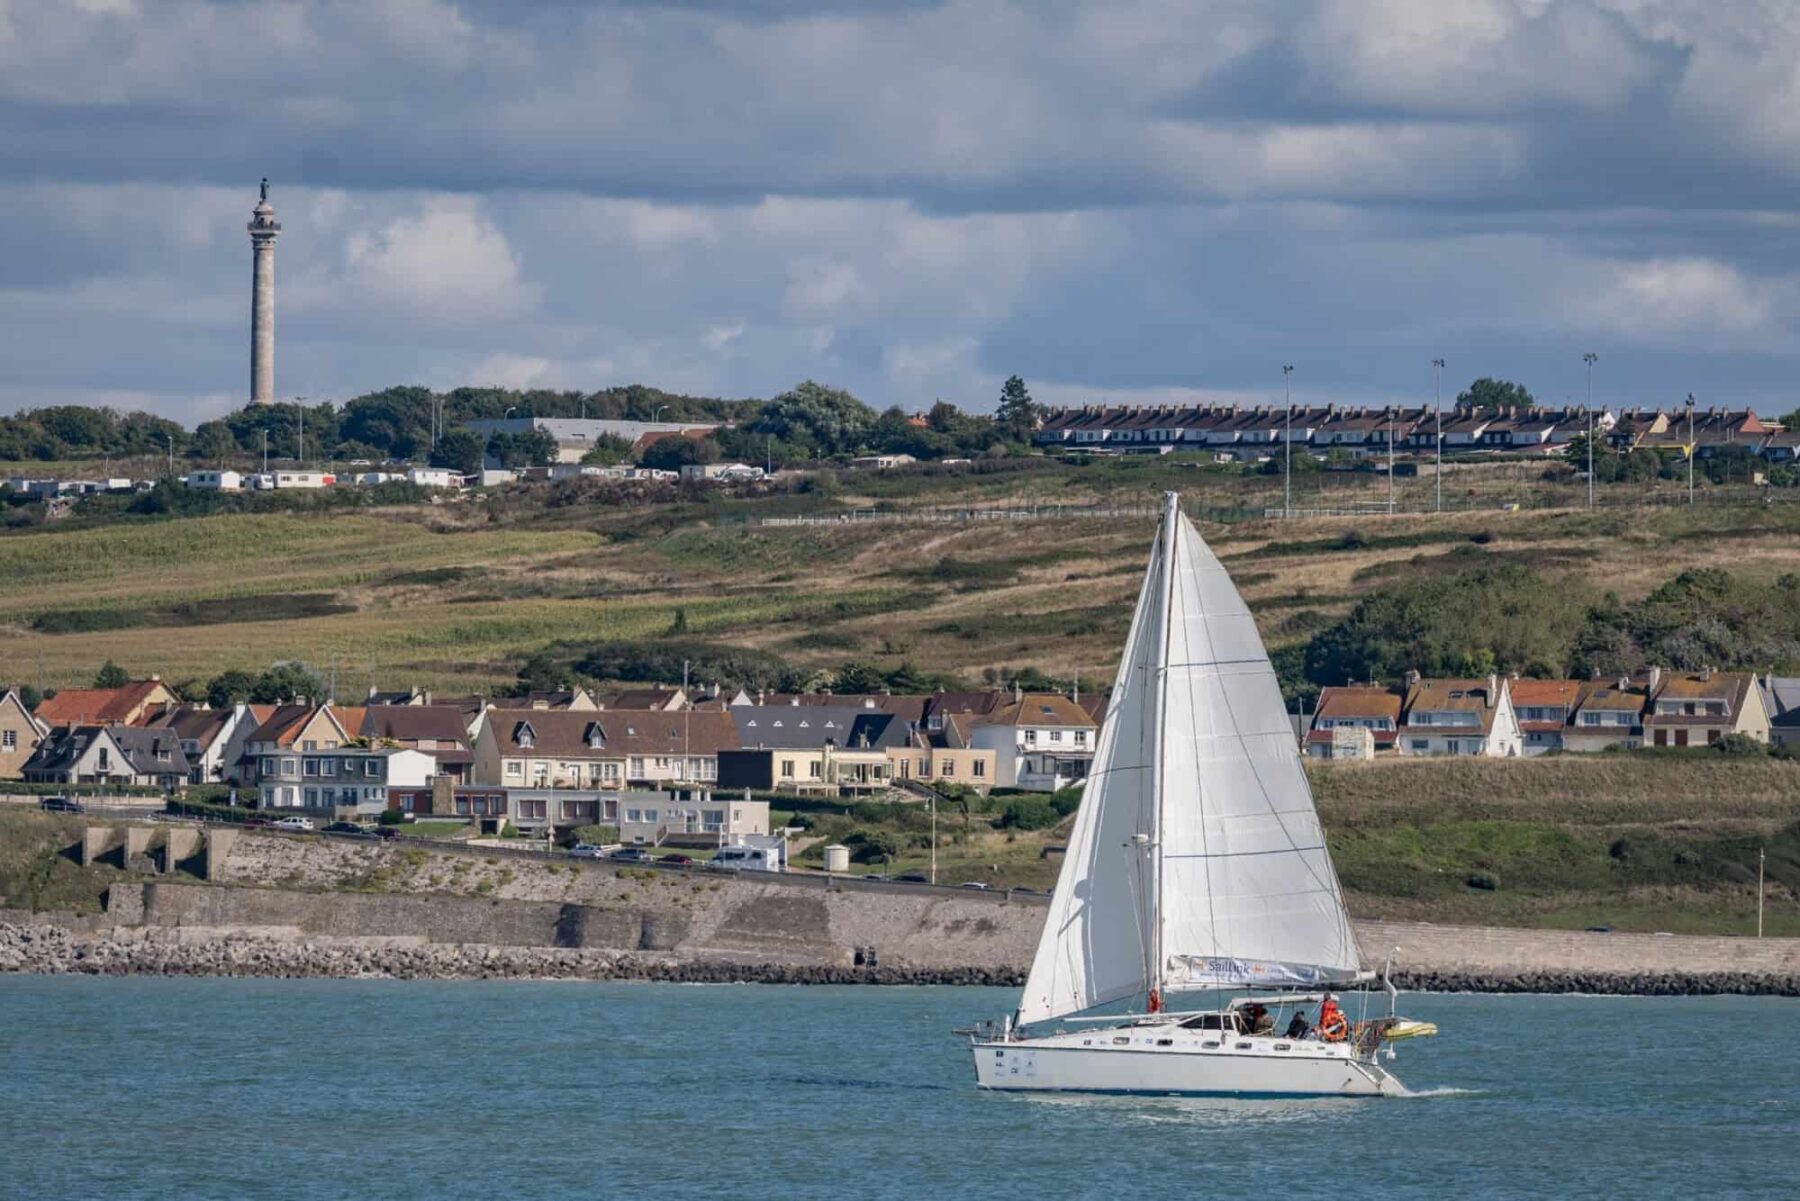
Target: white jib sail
[
  {"x": 1197, "y": 859},
  {"x": 1248, "y": 894}
]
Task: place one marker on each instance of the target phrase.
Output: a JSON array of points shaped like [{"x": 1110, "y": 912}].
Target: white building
[
  {"x": 215, "y": 481},
  {"x": 1460, "y": 717},
  {"x": 722, "y": 472},
  {"x": 303, "y": 479},
  {"x": 1042, "y": 741},
  {"x": 689, "y": 815},
  {"x": 433, "y": 477},
  {"x": 344, "y": 777}
]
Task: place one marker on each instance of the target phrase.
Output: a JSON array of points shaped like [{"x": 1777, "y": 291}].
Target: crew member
[
  {"x": 1333, "y": 1026},
  {"x": 1258, "y": 1019}
]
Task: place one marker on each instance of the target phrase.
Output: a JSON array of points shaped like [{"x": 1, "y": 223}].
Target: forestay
[{"x": 1197, "y": 859}]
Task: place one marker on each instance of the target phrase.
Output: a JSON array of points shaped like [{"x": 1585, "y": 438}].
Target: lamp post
[
  {"x": 1691, "y": 448},
  {"x": 657, "y": 412},
  {"x": 1590, "y": 358},
  {"x": 1393, "y": 419},
  {"x": 1437, "y": 373},
  {"x": 1287, "y": 438}
]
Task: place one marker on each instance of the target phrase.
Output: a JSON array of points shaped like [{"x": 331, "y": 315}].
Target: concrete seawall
[{"x": 311, "y": 906}]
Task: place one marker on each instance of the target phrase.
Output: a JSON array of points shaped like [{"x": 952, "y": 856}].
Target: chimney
[
  {"x": 1655, "y": 678},
  {"x": 1493, "y": 690},
  {"x": 1624, "y": 683},
  {"x": 1412, "y": 677},
  {"x": 1706, "y": 672}
]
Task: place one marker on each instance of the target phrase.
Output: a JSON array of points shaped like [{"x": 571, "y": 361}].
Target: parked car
[
  {"x": 294, "y": 823},
  {"x": 912, "y": 878},
  {"x": 588, "y": 850},
  {"x": 678, "y": 860},
  {"x": 633, "y": 855},
  {"x": 975, "y": 884},
  {"x": 347, "y": 828},
  {"x": 59, "y": 804},
  {"x": 386, "y": 833}
]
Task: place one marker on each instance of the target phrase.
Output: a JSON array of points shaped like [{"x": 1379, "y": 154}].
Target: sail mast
[{"x": 1153, "y": 968}]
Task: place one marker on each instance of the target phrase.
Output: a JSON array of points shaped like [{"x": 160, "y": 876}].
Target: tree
[
  {"x": 816, "y": 421},
  {"x": 213, "y": 442},
  {"x": 858, "y": 677},
  {"x": 608, "y": 450},
  {"x": 542, "y": 673},
  {"x": 229, "y": 688},
  {"x": 459, "y": 450},
  {"x": 1018, "y": 415},
  {"x": 1486, "y": 393},
  {"x": 533, "y": 448},
  {"x": 111, "y": 675},
  {"x": 286, "y": 682},
  {"x": 675, "y": 451},
  {"x": 192, "y": 691}
]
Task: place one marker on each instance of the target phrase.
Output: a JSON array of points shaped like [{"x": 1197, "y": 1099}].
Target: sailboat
[{"x": 1197, "y": 865}]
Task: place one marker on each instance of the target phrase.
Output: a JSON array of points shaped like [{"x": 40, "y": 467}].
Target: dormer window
[
  {"x": 524, "y": 735},
  {"x": 595, "y": 739}
]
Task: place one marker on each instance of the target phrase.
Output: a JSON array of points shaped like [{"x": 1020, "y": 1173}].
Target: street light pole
[
  {"x": 1691, "y": 448},
  {"x": 1393, "y": 419},
  {"x": 1287, "y": 438},
  {"x": 1589, "y": 358},
  {"x": 656, "y": 412},
  {"x": 1437, "y": 373}
]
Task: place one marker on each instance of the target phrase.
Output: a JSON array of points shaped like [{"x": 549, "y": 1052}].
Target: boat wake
[{"x": 1443, "y": 1092}]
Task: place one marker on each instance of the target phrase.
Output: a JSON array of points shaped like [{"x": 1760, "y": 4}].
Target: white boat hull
[{"x": 1165, "y": 1061}]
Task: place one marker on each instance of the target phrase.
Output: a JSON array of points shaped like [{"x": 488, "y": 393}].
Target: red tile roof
[{"x": 98, "y": 706}]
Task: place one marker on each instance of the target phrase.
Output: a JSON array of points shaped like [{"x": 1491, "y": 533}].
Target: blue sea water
[{"x": 154, "y": 1088}]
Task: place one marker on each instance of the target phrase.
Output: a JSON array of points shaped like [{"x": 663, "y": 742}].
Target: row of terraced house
[
  {"x": 1504, "y": 716},
  {"x": 1257, "y": 432},
  {"x": 549, "y": 758}
]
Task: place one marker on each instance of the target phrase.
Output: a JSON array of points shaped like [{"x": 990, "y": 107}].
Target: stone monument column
[{"x": 264, "y": 229}]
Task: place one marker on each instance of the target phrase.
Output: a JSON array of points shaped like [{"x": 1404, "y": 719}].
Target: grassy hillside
[{"x": 456, "y": 595}]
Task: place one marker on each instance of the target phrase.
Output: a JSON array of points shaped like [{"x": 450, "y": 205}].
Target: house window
[
  {"x": 372, "y": 768},
  {"x": 609, "y": 771},
  {"x": 1421, "y": 744},
  {"x": 637, "y": 768},
  {"x": 312, "y": 797},
  {"x": 289, "y": 767},
  {"x": 787, "y": 769},
  {"x": 310, "y": 768},
  {"x": 328, "y": 767},
  {"x": 462, "y": 807},
  {"x": 1712, "y": 736},
  {"x": 1030, "y": 737},
  {"x": 634, "y": 815},
  {"x": 1056, "y": 736},
  {"x": 406, "y": 803},
  {"x": 9, "y": 740},
  {"x": 514, "y": 768},
  {"x": 978, "y": 769},
  {"x": 1081, "y": 738},
  {"x": 105, "y": 762},
  {"x": 812, "y": 769},
  {"x": 947, "y": 767}
]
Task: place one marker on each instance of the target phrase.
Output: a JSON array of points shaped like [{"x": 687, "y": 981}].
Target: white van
[{"x": 746, "y": 859}]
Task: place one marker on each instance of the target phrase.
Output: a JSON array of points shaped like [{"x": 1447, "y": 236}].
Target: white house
[
  {"x": 723, "y": 472},
  {"x": 216, "y": 481},
  {"x": 1042, "y": 741},
  {"x": 1460, "y": 717}
]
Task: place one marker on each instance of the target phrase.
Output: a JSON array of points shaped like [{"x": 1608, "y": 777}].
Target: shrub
[
  {"x": 391, "y": 817},
  {"x": 1741, "y": 744},
  {"x": 1029, "y": 813},
  {"x": 1483, "y": 881},
  {"x": 1066, "y": 801},
  {"x": 603, "y": 835}
]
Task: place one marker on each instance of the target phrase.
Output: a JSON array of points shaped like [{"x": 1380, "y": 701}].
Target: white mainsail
[{"x": 1197, "y": 859}]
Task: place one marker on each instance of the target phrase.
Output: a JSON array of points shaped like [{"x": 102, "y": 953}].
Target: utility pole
[
  {"x": 171, "y": 441},
  {"x": 1437, "y": 372},
  {"x": 1761, "y": 855},
  {"x": 1392, "y": 421},
  {"x": 934, "y": 857},
  {"x": 265, "y": 469},
  {"x": 1287, "y": 438},
  {"x": 1691, "y": 448},
  {"x": 300, "y": 448},
  {"x": 1589, "y": 358}
]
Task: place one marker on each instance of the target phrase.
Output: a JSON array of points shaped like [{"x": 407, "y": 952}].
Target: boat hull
[{"x": 1093, "y": 1063}]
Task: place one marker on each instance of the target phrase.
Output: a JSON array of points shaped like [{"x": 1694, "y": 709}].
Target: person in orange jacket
[{"x": 1333, "y": 1026}]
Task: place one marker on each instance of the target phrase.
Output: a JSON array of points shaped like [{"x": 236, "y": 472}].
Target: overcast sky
[{"x": 1117, "y": 200}]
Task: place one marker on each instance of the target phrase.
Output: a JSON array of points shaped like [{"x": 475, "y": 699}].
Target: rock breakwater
[{"x": 52, "y": 949}]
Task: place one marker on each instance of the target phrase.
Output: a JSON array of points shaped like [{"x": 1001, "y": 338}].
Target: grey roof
[
  {"x": 577, "y": 429},
  {"x": 1783, "y": 696},
  {"x": 140, "y": 746},
  {"x": 809, "y": 727}
]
